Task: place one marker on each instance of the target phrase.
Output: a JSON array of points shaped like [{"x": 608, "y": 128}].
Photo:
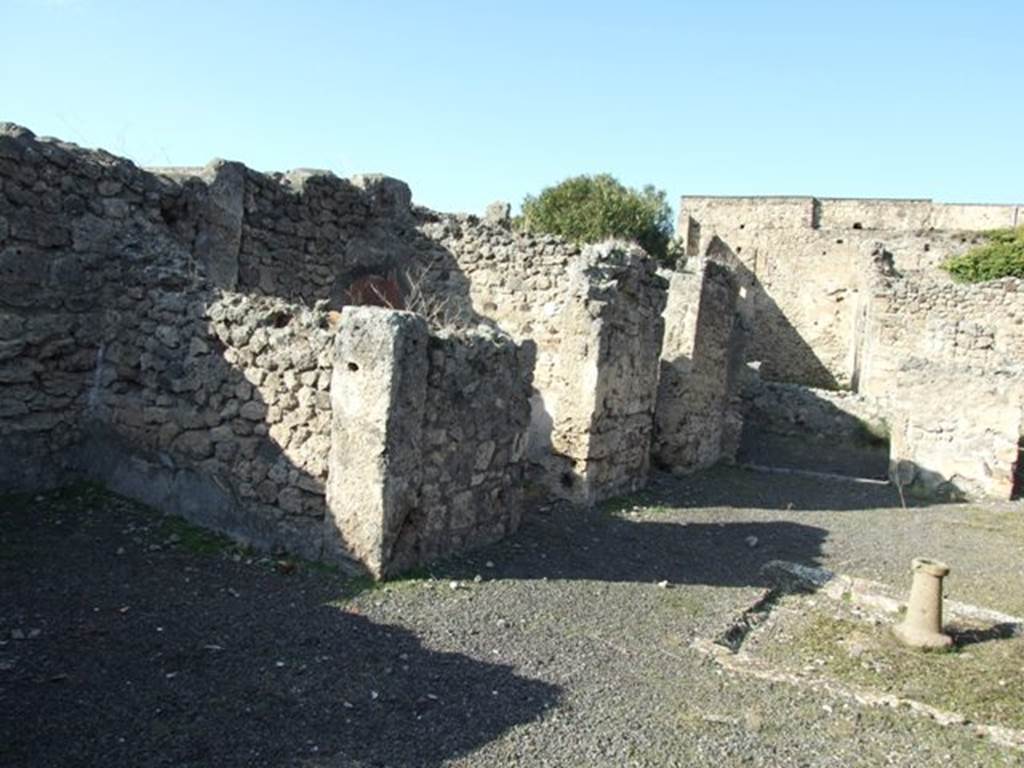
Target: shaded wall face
[
  {"x": 63, "y": 297},
  {"x": 796, "y": 427},
  {"x": 695, "y": 380}
]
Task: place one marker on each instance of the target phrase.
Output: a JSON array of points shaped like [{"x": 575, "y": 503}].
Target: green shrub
[
  {"x": 1002, "y": 255},
  {"x": 589, "y": 209}
]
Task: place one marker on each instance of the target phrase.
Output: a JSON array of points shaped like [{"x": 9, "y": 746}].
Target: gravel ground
[{"x": 127, "y": 640}]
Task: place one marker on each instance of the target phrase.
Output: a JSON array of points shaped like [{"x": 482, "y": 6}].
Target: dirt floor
[{"x": 128, "y": 638}]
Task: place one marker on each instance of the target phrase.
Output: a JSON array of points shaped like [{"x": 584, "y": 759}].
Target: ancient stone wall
[
  {"x": 438, "y": 423},
  {"x": 172, "y": 333},
  {"x": 696, "y": 381},
  {"x": 137, "y": 349},
  {"x": 594, "y": 317},
  {"x": 948, "y": 358},
  {"x": 64, "y": 296},
  {"x": 808, "y": 260}
]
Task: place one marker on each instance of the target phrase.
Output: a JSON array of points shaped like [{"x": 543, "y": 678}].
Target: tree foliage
[
  {"x": 589, "y": 209},
  {"x": 1002, "y": 255}
]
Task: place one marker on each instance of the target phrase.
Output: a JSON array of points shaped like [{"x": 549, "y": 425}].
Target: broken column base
[
  {"x": 922, "y": 626},
  {"x": 916, "y": 638}
]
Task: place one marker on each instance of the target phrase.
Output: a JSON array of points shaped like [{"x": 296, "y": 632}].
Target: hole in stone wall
[
  {"x": 353, "y": 366},
  {"x": 927, "y": 247},
  {"x": 739, "y": 249},
  {"x": 839, "y": 241},
  {"x": 567, "y": 479},
  {"x": 858, "y": 225},
  {"x": 280, "y": 319},
  {"x": 743, "y": 226}
]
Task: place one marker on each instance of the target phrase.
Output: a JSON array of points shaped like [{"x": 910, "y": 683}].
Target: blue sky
[{"x": 472, "y": 102}]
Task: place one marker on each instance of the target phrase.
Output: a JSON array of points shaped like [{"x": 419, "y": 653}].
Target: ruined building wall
[
  {"x": 696, "y": 379},
  {"x": 63, "y": 295},
  {"x": 948, "y": 360},
  {"x": 808, "y": 260},
  {"x": 594, "y": 316},
  {"x": 136, "y": 352},
  {"x": 439, "y": 422},
  {"x": 173, "y": 334}
]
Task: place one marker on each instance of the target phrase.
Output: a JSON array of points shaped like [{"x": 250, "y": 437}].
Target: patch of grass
[
  {"x": 980, "y": 681},
  {"x": 66, "y": 497},
  {"x": 192, "y": 538},
  {"x": 641, "y": 501},
  {"x": 357, "y": 586}
]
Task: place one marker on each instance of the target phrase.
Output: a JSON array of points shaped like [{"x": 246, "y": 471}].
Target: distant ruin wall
[
  {"x": 808, "y": 261},
  {"x": 950, "y": 360},
  {"x": 695, "y": 384}
]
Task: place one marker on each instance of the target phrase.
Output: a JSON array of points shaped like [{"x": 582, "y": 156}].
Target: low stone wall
[
  {"x": 796, "y": 427},
  {"x": 428, "y": 455},
  {"x": 695, "y": 386}
]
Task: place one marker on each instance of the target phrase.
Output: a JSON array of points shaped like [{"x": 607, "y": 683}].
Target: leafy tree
[
  {"x": 1002, "y": 255},
  {"x": 589, "y": 209}
]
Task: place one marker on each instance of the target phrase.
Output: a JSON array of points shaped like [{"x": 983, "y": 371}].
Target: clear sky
[{"x": 471, "y": 102}]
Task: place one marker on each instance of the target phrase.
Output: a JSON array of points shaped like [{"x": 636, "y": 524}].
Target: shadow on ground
[
  {"x": 613, "y": 542},
  {"x": 737, "y": 488},
  {"x": 166, "y": 658},
  {"x": 610, "y": 543}
]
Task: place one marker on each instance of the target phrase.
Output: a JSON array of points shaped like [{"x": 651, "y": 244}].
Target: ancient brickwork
[
  {"x": 695, "y": 384},
  {"x": 620, "y": 321},
  {"x": 309, "y": 235},
  {"x": 475, "y": 422},
  {"x": 63, "y": 213}
]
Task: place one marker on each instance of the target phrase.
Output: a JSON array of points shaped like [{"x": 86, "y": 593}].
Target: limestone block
[{"x": 377, "y": 401}]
